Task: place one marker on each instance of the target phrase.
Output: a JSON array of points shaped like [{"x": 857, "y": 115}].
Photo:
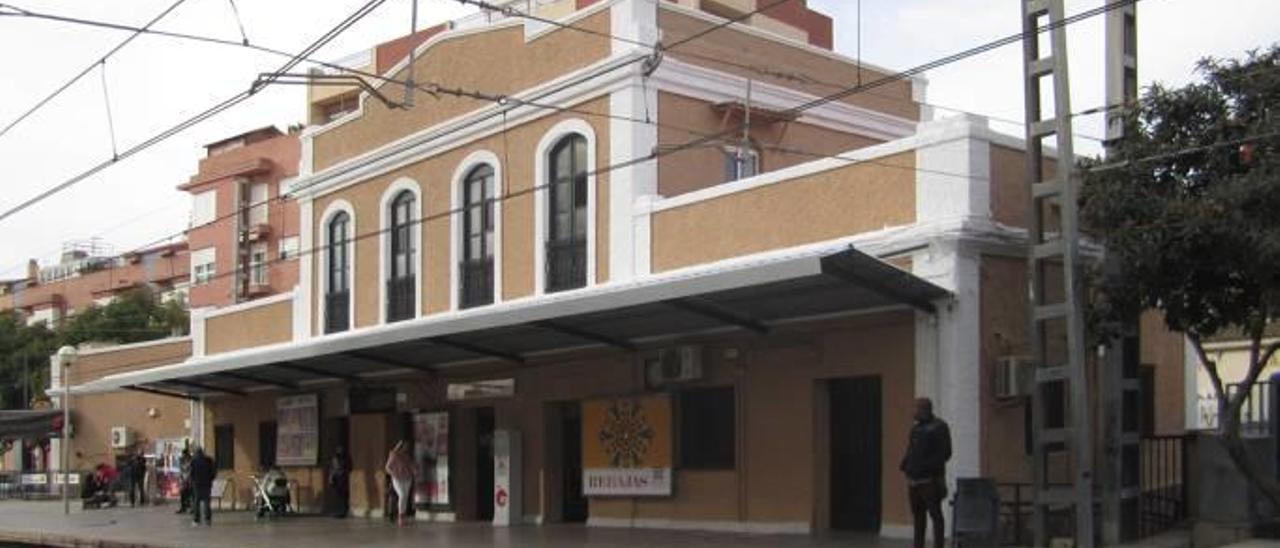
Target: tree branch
[{"x": 1210, "y": 367}]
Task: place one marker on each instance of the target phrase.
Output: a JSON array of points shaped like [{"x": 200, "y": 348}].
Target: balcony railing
[
  {"x": 566, "y": 265},
  {"x": 477, "y": 282},
  {"x": 337, "y": 311},
  {"x": 400, "y": 296}
]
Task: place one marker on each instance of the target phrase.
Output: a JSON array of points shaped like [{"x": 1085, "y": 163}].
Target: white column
[
  {"x": 948, "y": 351},
  {"x": 954, "y": 183},
  {"x": 304, "y": 296},
  {"x": 940, "y": 192},
  {"x": 55, "y": 391},
  {"x": 633, "y": 20}
]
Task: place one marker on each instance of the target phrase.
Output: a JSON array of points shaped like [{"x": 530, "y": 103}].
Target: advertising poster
[
  {"x": 431, "y": 454},
  {"x": 168, "y": 466},
  {"x": 298, "y": 430},
  {"x": 626, "y": 447}
]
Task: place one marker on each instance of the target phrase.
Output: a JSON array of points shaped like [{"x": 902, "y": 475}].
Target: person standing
[
  {"x": 137, "y": 480},
  {"x": 340, "y": 481},
  {"x": 202, "y": 473},
  {"x": 184, "y": 481},
  {"x": 925, "y": 465},
  {"x": 400, "y": 469}
]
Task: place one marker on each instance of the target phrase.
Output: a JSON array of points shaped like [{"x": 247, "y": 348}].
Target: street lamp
[{"x": 66, "y": 355}]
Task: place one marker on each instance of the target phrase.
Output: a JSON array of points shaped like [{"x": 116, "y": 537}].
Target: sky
[{"x": 155, "y": 82}]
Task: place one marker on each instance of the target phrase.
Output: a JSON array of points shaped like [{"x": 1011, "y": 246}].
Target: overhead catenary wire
[
  {"x": 261, "y": 82},
  {"x": 106, "y": 101},
  {"x": 763, "y": 71},
  {"x": 239, "y": 22},
  {"x": 708, "y": 138},
  {"x": 58, "y": 91}
]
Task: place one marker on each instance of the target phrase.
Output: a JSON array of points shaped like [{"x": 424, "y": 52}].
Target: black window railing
[
  {"x": 337, "y": 311},
  {"x": 566, "y": 265},
  {"x": 400, "y": 296},
  {"x": 477, "y": 282}
]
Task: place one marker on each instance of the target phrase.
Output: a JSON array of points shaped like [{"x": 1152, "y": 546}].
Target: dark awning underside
[
  {"x": 19, "y": 424},
  {"x": 740, "y": 295}
]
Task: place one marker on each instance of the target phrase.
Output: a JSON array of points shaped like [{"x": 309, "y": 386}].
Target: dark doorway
[
  {"x": 333, "y": 434},
  {"x": 266, "y": 444},
  {"x": 574, "y": 503},
  {"x": 484, "y": 464},
  {"x": 855, "y": 454}
]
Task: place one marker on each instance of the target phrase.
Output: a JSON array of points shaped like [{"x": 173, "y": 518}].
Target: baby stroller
[{"x": 271, "y": 494}]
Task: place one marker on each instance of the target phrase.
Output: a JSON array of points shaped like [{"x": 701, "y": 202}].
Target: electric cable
[
  {"x": 856, "y": 89},
  {"x": 262, "y": 81},
  {"x": 58, "y": 91}
]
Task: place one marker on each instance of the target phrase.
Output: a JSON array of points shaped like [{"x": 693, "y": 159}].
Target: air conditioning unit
[
  {"x": 121, "y": 437},
  {"x": 1013, "y": 377},
  {"x": 673, "y": 365}
]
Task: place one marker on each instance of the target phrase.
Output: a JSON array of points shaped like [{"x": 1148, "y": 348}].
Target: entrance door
[
  {"x": 855, "y": 454},
  {"x": 574, "y": 503},
  {"x": 484, "y": 464}
]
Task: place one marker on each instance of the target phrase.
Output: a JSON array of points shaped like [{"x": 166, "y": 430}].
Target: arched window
[
  {"x": 400, "y": 274},
  {"x": 337, "y": 298},
  {"x": 567, "y": 216},
  {"x": 477, "y": 237}
]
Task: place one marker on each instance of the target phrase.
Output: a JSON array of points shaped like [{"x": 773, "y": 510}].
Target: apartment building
[
  {"x": 242, "y": 245},
  {"x": 87, "y": 274},
  {"x": 244, "y": 236},
  {"x": 634, "y": 290}
]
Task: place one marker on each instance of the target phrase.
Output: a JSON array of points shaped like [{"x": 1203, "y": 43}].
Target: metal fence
[
  {"x": 38, "y": 485},
  {"x": 1163, "y": 501},
  {"x": 1255, "y": 414}
]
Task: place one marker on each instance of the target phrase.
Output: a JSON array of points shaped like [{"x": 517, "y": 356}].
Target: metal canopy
[
  {"x": 24, "y": 423},
  {"x": 750, "y": 296}
]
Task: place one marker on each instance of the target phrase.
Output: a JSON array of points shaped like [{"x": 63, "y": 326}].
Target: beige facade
[
  {"x": 148, "y": 416},
  {"x": 870, "y": 246}
]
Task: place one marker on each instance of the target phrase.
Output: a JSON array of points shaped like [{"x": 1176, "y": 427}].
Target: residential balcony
[
  {"x": 337, "y": 311},
  {"x": 400, "y": 298},
  {"x": 476, "y": 278},
  {"x": 566, "y": 265}
]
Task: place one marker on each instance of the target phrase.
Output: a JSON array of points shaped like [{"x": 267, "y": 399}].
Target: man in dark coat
[
  {"x": 137, "y": 480},
  {"x": 202, "y": 473},
  {"x": 340, "y": 481},
  {"x": 925, "y": 466}
]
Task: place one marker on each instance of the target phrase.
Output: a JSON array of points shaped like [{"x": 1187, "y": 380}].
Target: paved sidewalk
[{"x": 42, "y": 523}]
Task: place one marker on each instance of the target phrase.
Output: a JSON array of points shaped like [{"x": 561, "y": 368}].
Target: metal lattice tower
[{"x": 1061, "y": 430}]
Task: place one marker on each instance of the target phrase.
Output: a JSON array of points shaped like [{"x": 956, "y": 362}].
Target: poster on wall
[
  {"x": 431, "y": 453},
  {"x": 626, "y": 447},
  {"x": 297, "y": 430},
  {"x": 168, "y": 465}
]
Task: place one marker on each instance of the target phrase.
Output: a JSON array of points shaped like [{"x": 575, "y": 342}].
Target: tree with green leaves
[
  {"x": 1188, "y": 207},
  {"x": 135, "y": 316},
  {"x": 24, "y": 360}
]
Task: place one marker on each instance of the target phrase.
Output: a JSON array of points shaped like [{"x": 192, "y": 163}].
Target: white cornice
[
  {"x": 767, "y": 35},
  {"x": 712, "y": 85},
  {"x": 533, "y": 30},
  {"x": 596, "y": 80}
]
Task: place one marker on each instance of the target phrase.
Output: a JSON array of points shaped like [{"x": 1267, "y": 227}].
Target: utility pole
[
  {"x": 1061, "y": 425},
  {"x": 1120, "y": 374}
]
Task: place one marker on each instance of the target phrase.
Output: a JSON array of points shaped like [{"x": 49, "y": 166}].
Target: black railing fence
[
  {"x": 337, "y": 311},
  {"x": 566, "y": 265},
  {"x": 477, "y": 282},
  {"x": 400, "y": 298}
]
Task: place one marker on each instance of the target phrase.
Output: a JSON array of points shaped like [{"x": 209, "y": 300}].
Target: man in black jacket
[
  {"x": 202, "y": 473},
  {"x": 925, "y": 466}
]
